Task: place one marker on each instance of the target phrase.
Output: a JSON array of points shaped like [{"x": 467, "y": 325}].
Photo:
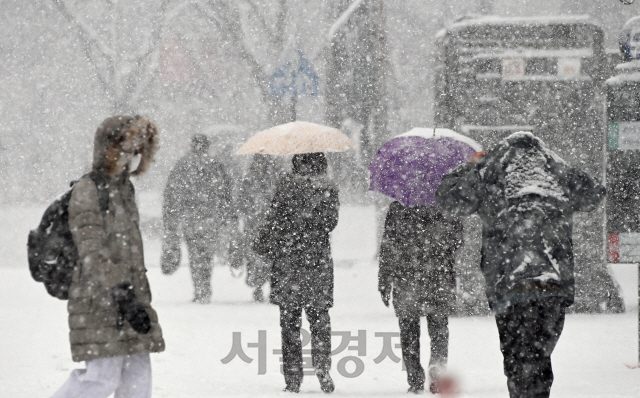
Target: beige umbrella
[{"x": 297, "y": 137}]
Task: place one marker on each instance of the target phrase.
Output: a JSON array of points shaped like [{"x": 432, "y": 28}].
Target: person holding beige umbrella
[{"x": 295, "y": 236}]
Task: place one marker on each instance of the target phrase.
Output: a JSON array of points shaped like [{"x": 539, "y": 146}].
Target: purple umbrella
[{"x": 410, "y": 166}]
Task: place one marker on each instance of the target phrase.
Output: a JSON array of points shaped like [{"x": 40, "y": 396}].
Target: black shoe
[
  {"x": 293, "y": 383},
  {"x": 416, "y": 390},
  {"x": 201, "y": 300},
  {"x": 295, "y": 389},
  {"x": 326, "y": 383},
  {"x": 435, "y": 375}
]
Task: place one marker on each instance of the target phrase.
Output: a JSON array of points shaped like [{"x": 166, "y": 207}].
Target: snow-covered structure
[{"x": 497, "y": 75}]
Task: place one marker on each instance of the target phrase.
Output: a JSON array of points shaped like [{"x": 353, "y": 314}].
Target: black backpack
[{"x": 51, "y": 251}]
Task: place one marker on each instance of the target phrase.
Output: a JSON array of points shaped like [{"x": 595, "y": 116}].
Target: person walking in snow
[
  {"x": 257, "y": 190},
  {"x": 303, "y": 212},
  {"x": 525, "y": 195},
  {"x": 197, "y": 200},
  {"x": 113, "y": 326},
  {"x": 417, "y": 258}
]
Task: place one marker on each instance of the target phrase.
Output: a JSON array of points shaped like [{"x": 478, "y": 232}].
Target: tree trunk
[{"x": 357, "y": 75}]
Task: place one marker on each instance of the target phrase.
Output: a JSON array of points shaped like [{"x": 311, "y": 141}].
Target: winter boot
[
  {"x": 416, "y": 390},
  {"x": 326, "y": 383},
  {"x": 434, "y": 379},
  {"x": 434, "y": 388},
  {"x": 292, "y": 383}
]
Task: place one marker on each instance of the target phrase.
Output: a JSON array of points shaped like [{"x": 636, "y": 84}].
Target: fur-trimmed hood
[{"x": 124, "y": 135}]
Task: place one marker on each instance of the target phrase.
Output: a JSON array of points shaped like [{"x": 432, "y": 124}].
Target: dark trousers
[
  {"x": 528, "y": 334},
  {"x": 258, "y": 270},
  {"x": 438, "y": 328},
  {"x": 320, "y": 323},
  {"x": 201, "y": 251}
]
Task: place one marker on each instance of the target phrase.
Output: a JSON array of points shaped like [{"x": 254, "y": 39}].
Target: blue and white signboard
[
  {"x": 630, "y": 39},
  {"x": 294, "y": 78}
]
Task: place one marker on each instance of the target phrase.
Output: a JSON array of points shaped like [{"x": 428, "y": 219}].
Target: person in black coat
[
  {"x": 256, "y": 191},
  {"x": 303, "y": 212},
  {"x": 417, "y": 258},
  {"x": 197, "y": 200},
  {"x": 525, "y": 195}
]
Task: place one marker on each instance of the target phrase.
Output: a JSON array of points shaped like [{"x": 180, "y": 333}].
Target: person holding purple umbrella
[
  {"x": 417, "y": 253},
  {"x": 417, "y": 258}
]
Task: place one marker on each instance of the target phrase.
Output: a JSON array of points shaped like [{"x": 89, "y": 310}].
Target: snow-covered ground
[{"x": 592, "y": 358}]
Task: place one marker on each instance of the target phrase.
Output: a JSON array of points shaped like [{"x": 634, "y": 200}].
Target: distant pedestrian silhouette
[{"x": 197, "y": 202}]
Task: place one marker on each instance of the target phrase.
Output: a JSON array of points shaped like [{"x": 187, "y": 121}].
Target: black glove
[
  {"x": 384, "y": 287},
  {"x": 130, "y": 309},
  {"x": 171, "y": 254}
]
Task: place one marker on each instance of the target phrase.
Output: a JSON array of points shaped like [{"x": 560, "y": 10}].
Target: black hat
[{"x": 309, "y": 163}]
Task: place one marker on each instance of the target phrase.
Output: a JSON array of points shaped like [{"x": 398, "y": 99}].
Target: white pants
[{"x": 127, "y": 377}]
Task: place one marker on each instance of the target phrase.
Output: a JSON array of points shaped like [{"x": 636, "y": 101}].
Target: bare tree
[
  {"x": 357, "y": 69},
  {"x": 121, "y": 47},
  {"x": 256, "y": 30}
]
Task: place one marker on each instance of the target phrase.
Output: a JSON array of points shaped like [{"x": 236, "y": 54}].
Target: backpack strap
[
  {"x": 132, "y": 188},
  {"x": 103, "y": 192}
]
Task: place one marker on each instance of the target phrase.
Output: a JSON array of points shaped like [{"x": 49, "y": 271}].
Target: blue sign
[{"x": 294, "y": 78}]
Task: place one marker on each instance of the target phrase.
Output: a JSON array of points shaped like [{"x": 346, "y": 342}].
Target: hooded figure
[
  {"x": 197, "y": 200},
  {"x": 113, "y": 326},
  {"x": 303, "y": 212},
  {"x": 417, "y": 258},
  {"x": 525, "y": 195}
]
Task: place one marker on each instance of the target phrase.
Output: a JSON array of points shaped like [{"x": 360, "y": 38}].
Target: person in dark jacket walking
[
  {"x": 303, "y": 212},
  {"x": 257, "y": 190},
  {"x": 525, "y": 195},
  {"x": 197, "y": 199},
  {"x": 417, "y": 258}
]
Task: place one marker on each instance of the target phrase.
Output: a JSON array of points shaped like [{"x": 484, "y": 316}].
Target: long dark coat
[
  {"x": 526, "y": 196},
  {"x": 417, "y": 255},
  {"x": 303, "y": 212},
  {"x": 197, "y": 199},
  {"x": 198, "y": 188}
]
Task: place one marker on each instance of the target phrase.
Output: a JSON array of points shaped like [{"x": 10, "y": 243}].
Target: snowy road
[{"x": 590, "y": 359}]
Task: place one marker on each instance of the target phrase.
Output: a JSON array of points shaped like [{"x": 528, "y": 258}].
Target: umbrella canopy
[
  {"x": 297, "y": 137},
  {"x": 409, "y": 167}
]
